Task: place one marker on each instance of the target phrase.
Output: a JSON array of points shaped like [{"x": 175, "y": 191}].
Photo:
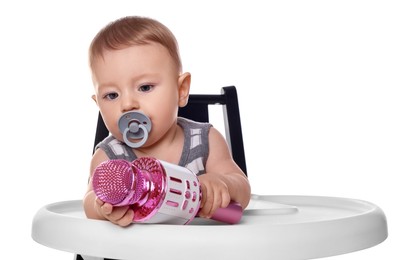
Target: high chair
[{"x": 272, "y": 226}]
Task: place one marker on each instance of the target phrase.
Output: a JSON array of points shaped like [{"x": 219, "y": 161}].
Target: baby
[{"x": 135, "y": 66}]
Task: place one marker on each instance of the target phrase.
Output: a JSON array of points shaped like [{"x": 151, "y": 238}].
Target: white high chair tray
[{"x": 272, "y": 227}]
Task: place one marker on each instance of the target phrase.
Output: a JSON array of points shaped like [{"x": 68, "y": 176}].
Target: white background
[{"x": 323, "y": 89}]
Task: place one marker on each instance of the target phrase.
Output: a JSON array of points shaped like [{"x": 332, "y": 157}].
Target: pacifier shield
[{"x": 134, "y": 125}]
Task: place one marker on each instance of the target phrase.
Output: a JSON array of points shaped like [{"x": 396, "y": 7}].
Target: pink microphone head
[{"x": 117, "y": 182}]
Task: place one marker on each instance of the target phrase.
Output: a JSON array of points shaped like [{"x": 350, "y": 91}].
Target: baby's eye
[
  {"x": 145, "y": 88},
  {"x": 111, "y": 96}
]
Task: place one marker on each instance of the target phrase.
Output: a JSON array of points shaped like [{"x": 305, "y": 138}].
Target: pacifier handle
[
  {"x": 129, "y": 130},
  {"x": 134, "y": 125}
]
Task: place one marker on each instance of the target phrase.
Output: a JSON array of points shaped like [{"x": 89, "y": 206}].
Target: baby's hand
[
  {"x": 215, "y": 194},
  {"x": 121, "y": 216}
]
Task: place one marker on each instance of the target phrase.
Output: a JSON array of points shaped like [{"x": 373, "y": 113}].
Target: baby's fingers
[
  {"x": 107, "y": 208},
  {"x": 226, "y": 199},
  {"x": 102, "y": 208},
  {"x": 126, "y": 219},
  {"x": 117, "y": 213}
]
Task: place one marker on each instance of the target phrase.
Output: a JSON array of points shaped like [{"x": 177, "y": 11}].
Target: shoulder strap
[
  {"x": 196, "y": 145},
  {"x": 115, "y": 149}
]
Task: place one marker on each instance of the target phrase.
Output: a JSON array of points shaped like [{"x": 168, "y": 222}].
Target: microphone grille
[
  {"x": 149, "y": 164},
  {"x": 112, "y": 180}
]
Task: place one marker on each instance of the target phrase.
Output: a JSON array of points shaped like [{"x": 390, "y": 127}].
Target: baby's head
[
  {"x": 130, "y": 31},
  {"x": 135, "y": 65}
]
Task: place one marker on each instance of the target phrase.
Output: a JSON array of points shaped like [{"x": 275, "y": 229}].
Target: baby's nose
[{"x": 130, "y": 103}]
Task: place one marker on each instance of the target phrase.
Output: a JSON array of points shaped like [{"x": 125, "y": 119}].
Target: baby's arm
[
  {"x": 95, "y": 208},
  {"x": 224, "y": 180}
]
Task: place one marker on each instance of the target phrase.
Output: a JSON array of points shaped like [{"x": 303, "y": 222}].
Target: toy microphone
[{"x": 157, "y": 191}]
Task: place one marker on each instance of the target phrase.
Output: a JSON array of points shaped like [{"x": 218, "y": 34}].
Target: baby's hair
[{"x": 131, "y": 31}]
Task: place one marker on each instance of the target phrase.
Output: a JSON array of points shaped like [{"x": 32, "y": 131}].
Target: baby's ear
[
  {"x": 184, "y": 88},
  {"x": 94, "y": 97}
]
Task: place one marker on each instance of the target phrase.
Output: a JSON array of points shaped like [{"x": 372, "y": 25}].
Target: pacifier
[{"x": 134, "y": 125}]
